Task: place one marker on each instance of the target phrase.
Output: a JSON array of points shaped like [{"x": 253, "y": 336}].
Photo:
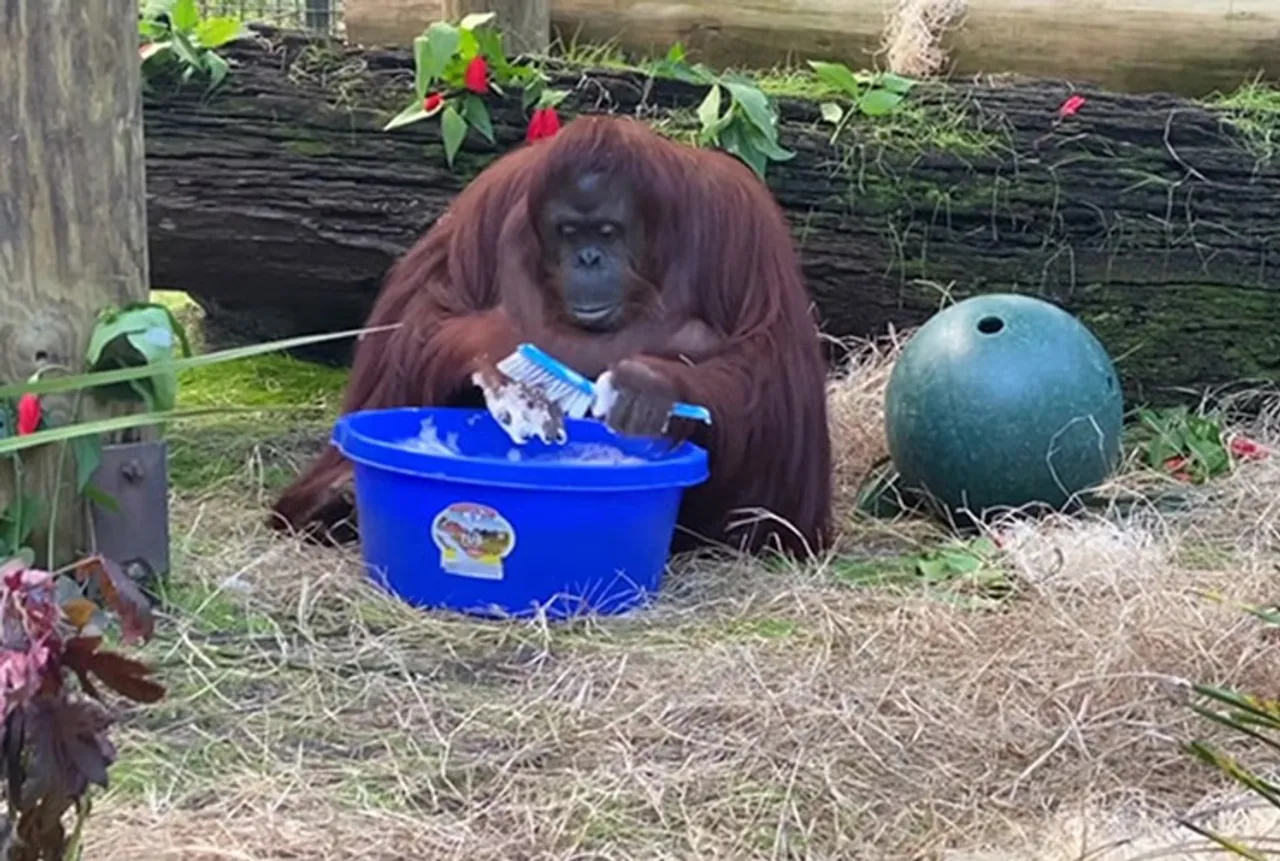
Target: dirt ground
[{"x": 1031, "y": 709}]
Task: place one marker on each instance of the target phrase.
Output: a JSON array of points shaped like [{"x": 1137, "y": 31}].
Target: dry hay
[
  {"x": 759, "y": 712},
  {"x": 912, "y": 39}
]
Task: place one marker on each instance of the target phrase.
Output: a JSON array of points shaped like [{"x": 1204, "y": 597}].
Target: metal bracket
[{"x": 136, "y": 534}]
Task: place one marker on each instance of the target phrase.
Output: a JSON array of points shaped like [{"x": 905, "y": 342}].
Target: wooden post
[
  {"x": 73, "y": 221},
  {"x": 525, "y": 24}
]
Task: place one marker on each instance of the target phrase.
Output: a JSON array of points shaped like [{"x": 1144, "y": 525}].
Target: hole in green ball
[{"x": 990, "y": 325}]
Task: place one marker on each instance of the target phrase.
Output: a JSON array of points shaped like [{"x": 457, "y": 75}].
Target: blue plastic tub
[{"x": 473, "y": 529}]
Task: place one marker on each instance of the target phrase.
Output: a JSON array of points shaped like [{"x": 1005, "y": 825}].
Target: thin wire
[{"x": 318, "y": 15}]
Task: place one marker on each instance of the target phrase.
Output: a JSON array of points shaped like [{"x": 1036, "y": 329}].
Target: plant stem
[
  {"x": 16, "y": 543},
  {"x": 51, "y": 538}
]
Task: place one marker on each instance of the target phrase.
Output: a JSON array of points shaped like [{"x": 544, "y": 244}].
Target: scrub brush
[{"x": 573, "y": 392}]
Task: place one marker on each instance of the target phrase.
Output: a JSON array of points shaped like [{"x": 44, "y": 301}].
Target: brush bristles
[{"x": 570, "y": 398}]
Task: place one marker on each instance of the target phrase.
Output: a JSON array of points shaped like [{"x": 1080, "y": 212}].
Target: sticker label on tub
[{"x": 473, "y": 540}]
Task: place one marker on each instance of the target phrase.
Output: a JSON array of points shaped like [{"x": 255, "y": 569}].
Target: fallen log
[
  {"x": 1189, "y": 47},
  {"x": 279, "y": 203}
]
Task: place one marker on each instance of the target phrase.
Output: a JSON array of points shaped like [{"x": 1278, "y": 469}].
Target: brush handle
[
  {"x": 554, "y": 366},
  {"x": 542, "y": 360},
  {"x": 692, "y": 411}
]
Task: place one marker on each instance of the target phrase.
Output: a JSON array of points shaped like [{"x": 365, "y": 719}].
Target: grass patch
[
  {"x": 207, "y": 453},
  {"x": 210, "y": 608},
  {"x": 1254, "y": 111},
  {"x": 836, "y": 710}
]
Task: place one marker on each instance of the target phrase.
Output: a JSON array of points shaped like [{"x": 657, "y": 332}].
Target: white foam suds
[{"x": 428, "y": 441}]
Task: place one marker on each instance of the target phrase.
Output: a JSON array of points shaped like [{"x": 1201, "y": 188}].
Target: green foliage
[
  {"x": 133, "y": 336},
  {"x": 137, "y": 334},
  {"x": 1254, "y": 111},
  {"x": 873, "y": 95},
  {"x": 1189, "y": 445},
  {"x": 735, "y": 115},
  {"x": 959, "y": 571},
  {"x": 82, "y": 439},
  {"x": 55, "y": 731},
  {"x": 1251, "y": 719},
  {"x": 442, "y": 57},
  {"x": 174, "y": 31}
]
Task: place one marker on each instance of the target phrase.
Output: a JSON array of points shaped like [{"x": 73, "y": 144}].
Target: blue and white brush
[{"x": 573, "y": 392}]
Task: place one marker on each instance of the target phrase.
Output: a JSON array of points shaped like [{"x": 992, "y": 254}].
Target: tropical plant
[
  {"x": 174, "y": 30},
  {"x": 455, "y": 67}
]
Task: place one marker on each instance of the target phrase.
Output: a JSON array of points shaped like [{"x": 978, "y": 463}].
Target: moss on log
[{"x": 279, "y": 204}]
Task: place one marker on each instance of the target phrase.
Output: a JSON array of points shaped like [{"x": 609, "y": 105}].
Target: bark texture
[
  {"x": 73, "y": 233},
  {"x": 279, "y": 204}
]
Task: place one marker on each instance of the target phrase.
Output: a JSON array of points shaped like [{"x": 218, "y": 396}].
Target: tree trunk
[
  {"x": 73, "y": 236},
  {"x": 1149, "y": 217},
  {"x": 525, "y": 24}
]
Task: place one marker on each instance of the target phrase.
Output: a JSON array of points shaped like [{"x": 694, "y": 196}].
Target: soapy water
[{"x": 428, "y": 441}]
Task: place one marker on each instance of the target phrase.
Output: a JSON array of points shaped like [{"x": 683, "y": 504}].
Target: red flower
[
  {"x": 28, "y": 414},
  {"x": 476, "y": 76},
  {"x": 432, "y": 102},
  {"x": 1071, "y": 105},
  {"x": 1178, "y": 467},
  {"x": 544, "y": 123},
  {"x": 1247, "y": 449}
]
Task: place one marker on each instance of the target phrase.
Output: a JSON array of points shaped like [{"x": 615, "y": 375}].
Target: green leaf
[
  {"x": 477, "y": 19},
  {"x": 421, "y": 66},
  {"x": 156, "y": 8},
  {"x": 468, "y": 46},
  {"x": 960, "y": 561},
  {"x": 88, "y": 454},
  {"x": 489, "y": 43},
  {"x": 139, "y": 334},
  {"x": 733, "y": 141},
  {"x": 411, "y": 114},
  {"x": 187, "y": 54},
  {"x": 932, "y": 568},
  {"x": 832, "y": 113},
  {"x": 184, "y": 15},
  {"x": 475, "y": 113},
  {"x": 438, "y": 49},
  {"x": 552, "y": 98},
  {"x": 894, "y": 83},
  {"x": 101, "y": 498},
  {"x": 877, "y": 103},
  {"x": 836, "y": 75},
  {"x": 96, "y": 379},
  {"x": 217, "y": 67},
  {"x": 453, "y": 128},
  {"x": 756, "y": 106},
  {"x": 216, "y": 32},
  {"x": 709, "y": 110},
  {"x": 19, "y": 521},
  {"x": 770, "y": 148},
  {"x": 128, "y": 422},
  {"x": 983, "y": 546},
  {"x": 152, "y": 30},
  {"x": 532, "y": 93}
]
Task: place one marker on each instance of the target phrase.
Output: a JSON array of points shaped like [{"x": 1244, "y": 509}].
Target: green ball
[{"x": 1003, "y": 400}]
